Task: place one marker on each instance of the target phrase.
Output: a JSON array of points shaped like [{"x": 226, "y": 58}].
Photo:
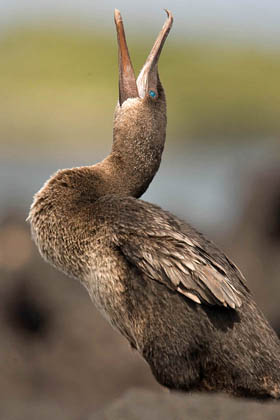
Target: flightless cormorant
[{"x": 172, "y": 293}]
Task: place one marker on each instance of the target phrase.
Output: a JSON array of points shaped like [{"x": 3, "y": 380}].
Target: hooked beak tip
[
  {"x": 170, "y": 17},
  {"x": 167, "y": 12}
]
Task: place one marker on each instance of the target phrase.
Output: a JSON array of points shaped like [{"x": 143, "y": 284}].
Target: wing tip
[{"x": 233, "y": 303}]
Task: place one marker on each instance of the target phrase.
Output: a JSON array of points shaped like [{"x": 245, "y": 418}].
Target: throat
[
  {"x": 138, "y": 141},
  {"x": 129, "y": 176}
]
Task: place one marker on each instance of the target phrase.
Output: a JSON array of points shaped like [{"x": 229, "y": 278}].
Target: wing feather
[{"x": 158, "y": 244}]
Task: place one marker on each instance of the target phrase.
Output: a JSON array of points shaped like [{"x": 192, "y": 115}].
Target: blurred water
[{"x": 203, "y": 185}]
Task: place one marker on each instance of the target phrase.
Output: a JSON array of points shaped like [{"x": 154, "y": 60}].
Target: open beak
[{"x": 147, "y": 80}]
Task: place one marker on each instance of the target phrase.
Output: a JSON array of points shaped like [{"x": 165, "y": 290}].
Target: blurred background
[{"x": 220, "y": 171}]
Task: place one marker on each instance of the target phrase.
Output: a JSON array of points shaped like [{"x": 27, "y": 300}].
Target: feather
[{"x": 185, "y": 262}]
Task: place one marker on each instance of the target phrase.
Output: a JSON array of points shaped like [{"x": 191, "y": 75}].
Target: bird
[{"x": 177, "y": 299}]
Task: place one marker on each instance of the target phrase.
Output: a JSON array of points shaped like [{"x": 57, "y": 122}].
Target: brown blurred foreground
[{"x": 141, "y": 404}]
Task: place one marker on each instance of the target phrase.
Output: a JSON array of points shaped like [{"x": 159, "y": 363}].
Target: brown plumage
[{"x": 177, "y": 299}]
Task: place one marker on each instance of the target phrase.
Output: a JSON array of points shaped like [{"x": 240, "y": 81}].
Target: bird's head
[
  {"x": 141, "y": 101},
  {"x": 140, "y": 116},
  {"x": 147, "y": 88}
]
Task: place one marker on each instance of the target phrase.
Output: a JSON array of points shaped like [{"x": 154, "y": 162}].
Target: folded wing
[{"x": 154, "y": 241}]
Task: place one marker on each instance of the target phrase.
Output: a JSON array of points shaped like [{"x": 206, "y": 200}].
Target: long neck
[{"x": 139, "y": 136}]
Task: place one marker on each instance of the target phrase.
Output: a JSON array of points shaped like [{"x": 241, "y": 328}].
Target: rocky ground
[{"x": 143, "y": 404}]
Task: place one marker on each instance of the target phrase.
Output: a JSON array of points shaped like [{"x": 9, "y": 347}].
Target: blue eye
[{"x": 152, "y": 93}]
